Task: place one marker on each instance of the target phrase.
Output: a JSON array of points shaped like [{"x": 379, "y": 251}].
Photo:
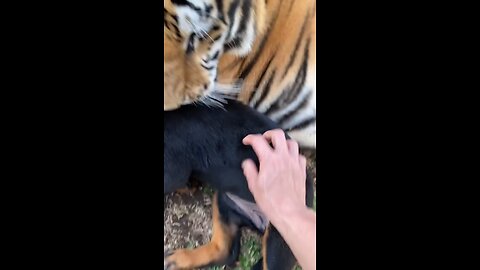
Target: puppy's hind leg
[
  {"x": 276, "y": 255},
  {"x": 223, "y": 247}
]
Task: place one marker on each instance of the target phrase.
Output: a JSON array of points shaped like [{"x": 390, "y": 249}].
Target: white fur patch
[{"x": 190, "y": 21}]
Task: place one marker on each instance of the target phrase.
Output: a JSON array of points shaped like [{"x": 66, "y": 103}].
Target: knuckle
[
  {"x": 278, "y": 132},
  {"x": 294, "y": 143}
]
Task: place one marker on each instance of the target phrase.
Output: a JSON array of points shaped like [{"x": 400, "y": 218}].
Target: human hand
[{"x": 279, "y": 185}]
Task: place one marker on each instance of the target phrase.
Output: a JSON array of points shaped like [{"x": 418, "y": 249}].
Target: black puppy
[{"x": 206, "y": 144}]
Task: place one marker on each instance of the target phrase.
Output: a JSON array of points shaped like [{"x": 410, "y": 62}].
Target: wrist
[{"x": 283, "y": 217}]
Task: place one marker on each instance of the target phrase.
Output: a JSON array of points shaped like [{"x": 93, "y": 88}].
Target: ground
[{"x": 188, "y": 223}]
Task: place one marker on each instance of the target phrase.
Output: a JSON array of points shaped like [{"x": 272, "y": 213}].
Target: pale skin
[{"x": 278, "y": 187}]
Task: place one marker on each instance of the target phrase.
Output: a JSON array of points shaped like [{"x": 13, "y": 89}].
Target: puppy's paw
[{"x": 176, "y": 260}]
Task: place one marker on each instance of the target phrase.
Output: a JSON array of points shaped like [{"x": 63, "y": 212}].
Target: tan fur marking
[
  {"x": 264, "y": 247},
  {"x": 215, "y": 251},
  {"x": 186, "y": 190}
]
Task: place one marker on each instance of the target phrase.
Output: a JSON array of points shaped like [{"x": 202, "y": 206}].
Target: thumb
[{"x": 251, "y": 172}]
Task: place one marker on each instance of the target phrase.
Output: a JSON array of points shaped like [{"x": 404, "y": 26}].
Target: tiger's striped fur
[{"x": 267, "y": 45}]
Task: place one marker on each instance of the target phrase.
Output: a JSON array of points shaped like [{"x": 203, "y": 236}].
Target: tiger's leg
[
  {"x": 306, "y": 138},
  {"x": 223, "y": 248}
]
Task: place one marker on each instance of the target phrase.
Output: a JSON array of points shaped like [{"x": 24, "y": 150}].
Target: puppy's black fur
[{"x": 206, "y": 144}]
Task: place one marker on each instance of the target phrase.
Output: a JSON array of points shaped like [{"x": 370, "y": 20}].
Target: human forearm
[{"x": 299, "y": 231}]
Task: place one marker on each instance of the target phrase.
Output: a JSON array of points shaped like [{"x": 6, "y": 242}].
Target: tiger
[{"x": 263, "y": 50}]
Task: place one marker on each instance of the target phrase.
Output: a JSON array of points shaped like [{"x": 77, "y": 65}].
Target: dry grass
[{"x": 188, "y": 223}]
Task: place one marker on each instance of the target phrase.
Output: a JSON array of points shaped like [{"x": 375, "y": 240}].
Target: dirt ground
[{"x": 188, "y": 223}]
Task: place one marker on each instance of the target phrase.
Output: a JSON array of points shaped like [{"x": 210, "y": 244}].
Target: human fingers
[
  {"x": 277, "y": 137},
  {"x": 302, "y": 161},
  {"x": 259, "y": 144},
  {"x": 293, "y": 148},
  {"x": 251, "y": 173}
]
